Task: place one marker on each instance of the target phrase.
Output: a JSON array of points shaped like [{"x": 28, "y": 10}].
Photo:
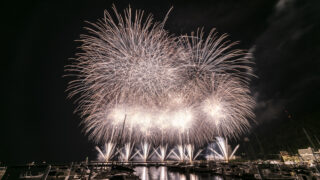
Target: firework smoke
[{"x": 136, "y": 82}]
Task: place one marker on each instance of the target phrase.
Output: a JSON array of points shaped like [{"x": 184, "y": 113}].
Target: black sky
[{"x": 37, "y": 120}]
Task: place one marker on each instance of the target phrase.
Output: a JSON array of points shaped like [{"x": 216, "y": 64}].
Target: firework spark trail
[
  {"x": 109, "y": 151},
  {"x": 191, "y": 154},
  {"x": 178, "y": 153},
  {"x": 136, "y": 82},
  {"x": 145, "y": 152},
  {"x": 162, "y": 153},
  {"x": 126, "y": 154},
  {"x": 226, "y": 153}
]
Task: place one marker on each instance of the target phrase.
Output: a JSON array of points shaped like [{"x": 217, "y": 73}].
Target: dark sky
[{"x": 37, "y": 120}]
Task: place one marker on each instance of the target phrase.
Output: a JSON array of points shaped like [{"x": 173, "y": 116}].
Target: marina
[{"x": 163, "y": 170}]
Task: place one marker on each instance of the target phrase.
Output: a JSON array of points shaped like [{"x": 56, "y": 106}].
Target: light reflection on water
[{"x": 162, "y": 173}]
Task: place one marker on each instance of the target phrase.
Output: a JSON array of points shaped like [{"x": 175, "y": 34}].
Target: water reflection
[{"x": 162, "y": 173}]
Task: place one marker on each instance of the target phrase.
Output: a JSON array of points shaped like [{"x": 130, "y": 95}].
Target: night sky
[{"x": 38, "y": 38}]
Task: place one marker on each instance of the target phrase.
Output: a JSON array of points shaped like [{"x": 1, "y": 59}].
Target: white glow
[
  {"x": 181, "y": 119},
  {"x": 213, "y": 108}
]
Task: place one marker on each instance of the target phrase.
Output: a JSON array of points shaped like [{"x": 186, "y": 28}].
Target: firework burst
[{"x": 136, "y": 82}]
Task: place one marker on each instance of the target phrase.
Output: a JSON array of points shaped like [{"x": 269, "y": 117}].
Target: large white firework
[{"x": 136, "y": 82}]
